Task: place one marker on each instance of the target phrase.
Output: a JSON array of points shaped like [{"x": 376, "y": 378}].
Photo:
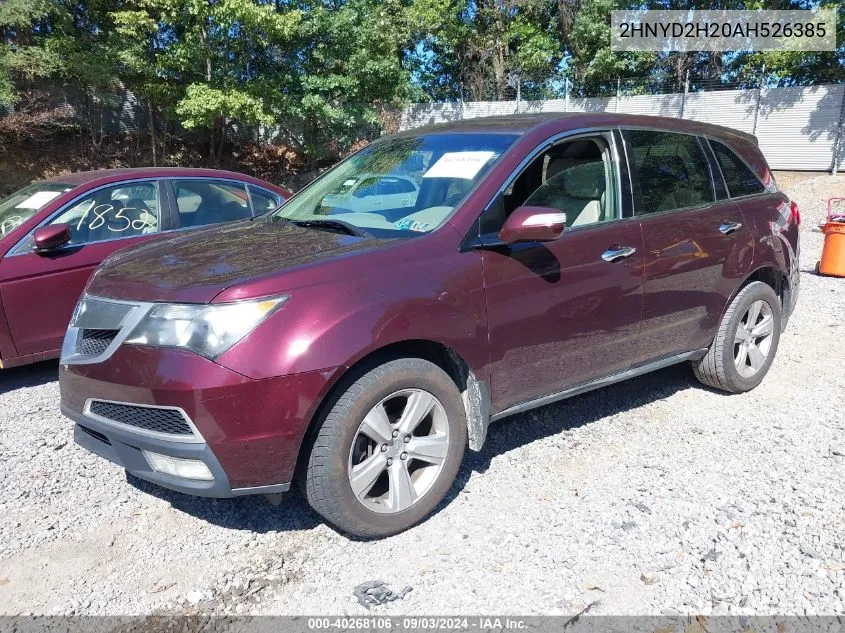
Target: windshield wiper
[{"x": 333, "y": 225}]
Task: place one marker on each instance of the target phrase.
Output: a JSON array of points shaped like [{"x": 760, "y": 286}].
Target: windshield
[
  {"x": 23, "y": 204},
  {"x": 399, "y": 186}
]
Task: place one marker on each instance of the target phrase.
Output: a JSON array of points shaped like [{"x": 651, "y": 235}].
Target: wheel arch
[
  {"x": 776, "y": 279},
  {"x": 475, "y": 392}
]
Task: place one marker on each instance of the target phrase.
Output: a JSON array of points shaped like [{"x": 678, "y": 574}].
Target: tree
[
  {"x": 201, "y": 60},
  {"x": 349, "y": 64},
  {"x": 485, "y": 49},
  {"x": 320, "y": 74},
  {"x": 793, "y": 68},
  {"x": 24, "y": 53},
  {"x": 590, "y": 64}
]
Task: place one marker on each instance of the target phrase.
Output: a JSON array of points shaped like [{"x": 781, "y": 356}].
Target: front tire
[
  {"x": 388, "y": 450},
  {"x": 746, "y": 342}
]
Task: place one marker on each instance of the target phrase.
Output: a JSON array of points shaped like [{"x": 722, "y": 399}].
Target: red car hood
[{"x": 195, "y": 267}]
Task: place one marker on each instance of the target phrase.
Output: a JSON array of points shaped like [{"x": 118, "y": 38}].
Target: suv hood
[{"x": 195, "y": 267}]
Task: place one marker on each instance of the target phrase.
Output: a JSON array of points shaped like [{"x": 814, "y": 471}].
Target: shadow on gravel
[
  {"x": 522, "y": 429},
  {"x": 259, "y": 515},
  {"x": 28, "y": 376},
  {"x": 254, "y": 513}
]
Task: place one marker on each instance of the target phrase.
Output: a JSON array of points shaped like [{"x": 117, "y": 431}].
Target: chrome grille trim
[
  {"x": 194, "y": 438},
  {"x": 126, "y": 316}
]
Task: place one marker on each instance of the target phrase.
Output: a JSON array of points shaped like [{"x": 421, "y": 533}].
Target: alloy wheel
[
  {"x": 398, "y": 451},
  {"x": 753, "y": 339}
]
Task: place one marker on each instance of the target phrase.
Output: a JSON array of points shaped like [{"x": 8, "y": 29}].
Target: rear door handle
[
  {"x": 618, "y": 254},
  {"x": 729, "y": 227}
]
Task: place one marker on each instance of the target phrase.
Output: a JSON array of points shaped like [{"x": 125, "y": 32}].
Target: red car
[
  {"x": 359, "y": 348},
  {"x": 55, "y": 232}
]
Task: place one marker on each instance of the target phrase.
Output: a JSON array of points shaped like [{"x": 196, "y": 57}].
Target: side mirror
[
  {"x": 533, "y": 224},
  {"x": 47, "y": 238}
]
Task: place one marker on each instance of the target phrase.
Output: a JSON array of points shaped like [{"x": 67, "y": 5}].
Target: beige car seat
[
  {"x": 141, "y": 211},
  {"x": 576, "y": 187}
]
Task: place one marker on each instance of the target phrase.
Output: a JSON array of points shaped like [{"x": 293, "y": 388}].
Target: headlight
[{"x": 208, "y": 330}]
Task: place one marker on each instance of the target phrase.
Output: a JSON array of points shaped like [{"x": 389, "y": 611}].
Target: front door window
[
  {"x": 575, "y": 177},
  {"x": 114, "y": 212}
]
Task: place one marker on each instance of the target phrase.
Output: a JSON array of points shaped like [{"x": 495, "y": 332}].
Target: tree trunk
[
  {"x": 164, "y": 140},
  {"x": 221, "y": 140},
  {"x": 152, "y": 131},
  {"x": 95, "y": 123},
  {"x": 499, "y": 72}
]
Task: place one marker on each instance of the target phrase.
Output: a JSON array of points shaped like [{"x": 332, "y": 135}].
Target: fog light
[{"x": 178, "y": 467}]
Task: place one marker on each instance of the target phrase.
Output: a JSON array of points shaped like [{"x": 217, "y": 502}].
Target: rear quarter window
[{"x": 739, "y": 177}]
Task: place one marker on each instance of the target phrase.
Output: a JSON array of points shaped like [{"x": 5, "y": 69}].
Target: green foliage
[
  {"x": 202, "y": 105},
  {"x": 331, "y": 68},
  {"x": 594, "y": 68},
  {"x": 22, "y": 53},
  {"x": 8, "y": 94},
  {"x": 353, "y": 64},
  {"x": 793, "y": 68}
]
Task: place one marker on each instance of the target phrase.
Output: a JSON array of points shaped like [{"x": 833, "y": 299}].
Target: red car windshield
[{"x": 25, "y": 203}]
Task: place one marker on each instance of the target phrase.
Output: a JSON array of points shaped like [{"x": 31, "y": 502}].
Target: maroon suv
[{"x": 361, "y": 336}]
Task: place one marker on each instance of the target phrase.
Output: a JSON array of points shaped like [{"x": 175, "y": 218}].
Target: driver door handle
[
  {"x": 729, "y": 227},
  {"x": 618, "y": 253}
]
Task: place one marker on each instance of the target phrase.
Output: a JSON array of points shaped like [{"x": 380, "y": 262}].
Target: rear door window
[
  {"x": 389, "y": 187},
  {"x": 670, "y": 171},
  {"x": 203, "y": 202},
  {"x": 739, "y": 177}
]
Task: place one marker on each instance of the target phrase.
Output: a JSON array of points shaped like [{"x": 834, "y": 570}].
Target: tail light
[{"x": 795, "y": 213}]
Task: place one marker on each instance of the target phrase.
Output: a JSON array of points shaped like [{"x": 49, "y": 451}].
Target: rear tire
[
  {"x": 388, "y": 450},
  {"x": 746, "y": 342}
]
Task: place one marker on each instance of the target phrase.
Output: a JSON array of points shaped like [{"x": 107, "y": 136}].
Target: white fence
[{"x": 798, "y": 128}]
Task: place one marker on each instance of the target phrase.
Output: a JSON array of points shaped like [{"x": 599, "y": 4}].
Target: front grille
[
  {"x": 94, "y": 342},
  {"x": 168, "y": 421}
]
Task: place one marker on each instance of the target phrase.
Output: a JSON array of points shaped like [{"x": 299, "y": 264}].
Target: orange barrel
[{"x": 833, "y": 254}]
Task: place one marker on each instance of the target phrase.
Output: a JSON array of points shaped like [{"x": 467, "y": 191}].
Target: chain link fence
[{"x": 798, "y": 128}]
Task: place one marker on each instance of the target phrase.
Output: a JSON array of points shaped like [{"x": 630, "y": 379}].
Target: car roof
[
  {"x": 520, "y": 124},
  {"x": 115, "y": 175}
]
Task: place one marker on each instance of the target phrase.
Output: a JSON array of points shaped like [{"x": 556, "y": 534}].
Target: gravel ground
[{"x": 653, "y": 496}]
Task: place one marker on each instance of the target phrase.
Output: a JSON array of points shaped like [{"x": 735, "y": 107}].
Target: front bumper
[
  {"x": 124, "y": 448},
  {"x": 247, "y": 432}
]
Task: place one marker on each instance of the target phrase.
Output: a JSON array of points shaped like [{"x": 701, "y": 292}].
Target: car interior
[
  {"x": 572, "y": 177},
  {"x": 434, "y": 202},
  {"x": 201, "y": 203},
  {"x": 668, "y": 176},
  {"x": 112, "y": 212}
]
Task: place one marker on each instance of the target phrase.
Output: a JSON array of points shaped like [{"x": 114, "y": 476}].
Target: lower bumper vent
[
  {"x": 95, "y": 434},
  {"x": 168, "y": 421}
]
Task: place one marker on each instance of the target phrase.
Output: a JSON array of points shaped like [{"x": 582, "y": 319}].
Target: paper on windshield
[
  {"x": 38, "y": 199},
  {"x": 459, "y": 165}
]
